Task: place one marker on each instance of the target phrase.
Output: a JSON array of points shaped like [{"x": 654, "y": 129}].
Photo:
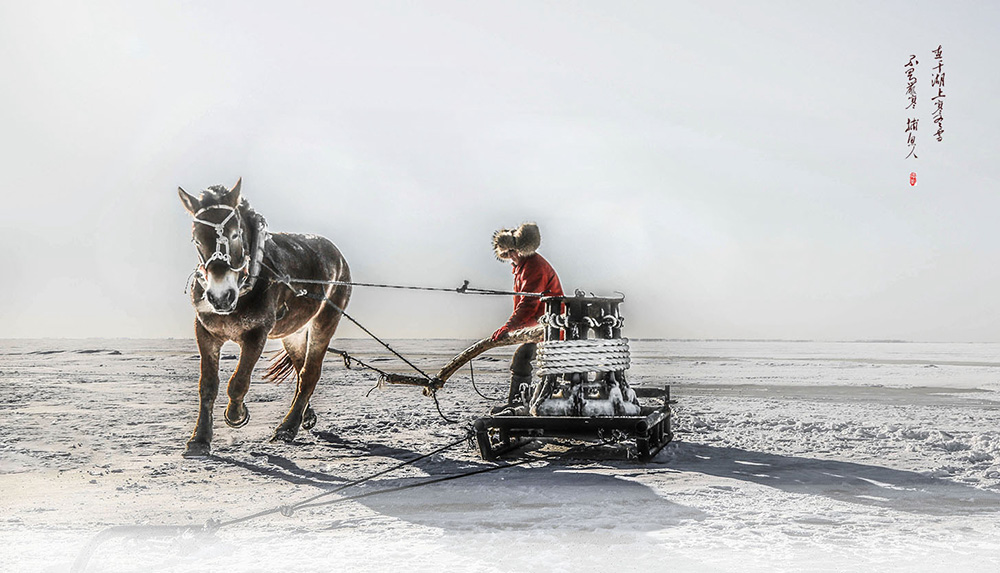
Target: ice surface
[{"x": 789, "y": 456}]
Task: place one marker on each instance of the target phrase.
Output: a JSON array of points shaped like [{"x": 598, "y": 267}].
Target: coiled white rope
[{"x": 591, "y": 355}]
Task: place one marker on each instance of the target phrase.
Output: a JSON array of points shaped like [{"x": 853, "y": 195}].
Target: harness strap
[{"x": 258, "y": 258}]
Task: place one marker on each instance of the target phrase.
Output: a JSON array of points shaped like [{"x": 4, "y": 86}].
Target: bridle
[
  {"x": 249, "y": 269},
  {"x": 221, "y": 242}
]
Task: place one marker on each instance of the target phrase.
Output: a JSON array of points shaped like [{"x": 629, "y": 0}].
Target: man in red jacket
[{"x": 532, "y": 273}]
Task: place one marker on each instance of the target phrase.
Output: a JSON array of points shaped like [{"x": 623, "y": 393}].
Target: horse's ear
[
  {"x": 232, "y": 197},
  {"x": 192, "y": 204}
]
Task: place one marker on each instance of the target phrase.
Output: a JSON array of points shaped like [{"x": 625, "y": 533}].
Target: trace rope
[
  {"x": 288, "y": 510},
  {"x": 464, "y": 289},
  {"x": 431, "y": 390},
  {"x": 348, "y": 359},
  {"x": 322, "y": 298},
  {"x": 286, "y": 280},
  {"x": 385, "y": 376},
  {"x": 212, "y": 525}
]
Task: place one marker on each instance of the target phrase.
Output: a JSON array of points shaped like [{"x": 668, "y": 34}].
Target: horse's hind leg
[
  {"x": 296, "y": 346},
  {"x": 320, "y": 331}
]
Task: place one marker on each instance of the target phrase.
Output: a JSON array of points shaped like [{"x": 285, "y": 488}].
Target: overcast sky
[{"x": 737, "y": 169}]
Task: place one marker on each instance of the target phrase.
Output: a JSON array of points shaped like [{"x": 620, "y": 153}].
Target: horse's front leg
[
  {"x": 209, "y": 346},
  {"x": 251, "y": 346}
]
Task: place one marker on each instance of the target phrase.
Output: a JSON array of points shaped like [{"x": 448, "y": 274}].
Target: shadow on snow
[
  {"x": 554, "y": 493},
  {"x": 863, "y": 484}
]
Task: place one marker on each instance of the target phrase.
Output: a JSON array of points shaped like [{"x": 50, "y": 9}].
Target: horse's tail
[{"x": 280, "y": 369}]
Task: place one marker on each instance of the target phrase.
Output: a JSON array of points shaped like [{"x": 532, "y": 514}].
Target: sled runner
[{"x": 499, "y": 434}]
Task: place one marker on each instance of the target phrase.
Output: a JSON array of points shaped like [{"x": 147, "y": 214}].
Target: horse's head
[{"x": 222, "y": 239}]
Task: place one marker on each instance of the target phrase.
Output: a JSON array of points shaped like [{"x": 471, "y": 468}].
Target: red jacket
[{"x": 534, "y": 274}]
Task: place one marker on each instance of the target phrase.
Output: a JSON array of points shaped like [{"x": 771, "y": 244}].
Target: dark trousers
[{"x": 520, "y": 371}]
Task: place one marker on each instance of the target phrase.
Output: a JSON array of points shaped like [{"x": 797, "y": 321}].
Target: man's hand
[{"x": 500, "y": 333}]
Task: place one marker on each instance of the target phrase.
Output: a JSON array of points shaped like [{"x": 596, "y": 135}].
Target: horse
[{"x": 241, "y": 292}]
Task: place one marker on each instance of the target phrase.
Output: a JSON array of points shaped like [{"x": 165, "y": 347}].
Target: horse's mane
[{"x": 215, "y": 191}]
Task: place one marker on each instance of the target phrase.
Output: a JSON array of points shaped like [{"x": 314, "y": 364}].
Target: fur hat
[{"x": 524, "y": 239}]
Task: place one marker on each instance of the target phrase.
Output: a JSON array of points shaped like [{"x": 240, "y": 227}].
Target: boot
[
  {"x": 519, "y": 388},
  {"x": 520, "y": 381}
]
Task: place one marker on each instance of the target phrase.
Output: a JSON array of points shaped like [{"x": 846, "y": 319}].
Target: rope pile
[{"x": 592, "y": 355}]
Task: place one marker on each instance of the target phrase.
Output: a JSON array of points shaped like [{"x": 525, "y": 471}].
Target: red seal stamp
[{"x": 913, "y": 178}]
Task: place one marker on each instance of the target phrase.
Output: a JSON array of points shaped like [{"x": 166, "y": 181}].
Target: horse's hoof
[
  {"x": 309, "y": 419},
  {"x": 284, "y": 435},
  {"x": 238, "y": 423},
  {"x": 197, "y": 450}
]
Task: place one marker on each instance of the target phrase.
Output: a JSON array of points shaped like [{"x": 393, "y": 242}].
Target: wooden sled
[
  {"x": 582, "y": 392},
  {"x": 500, "y": 434}
]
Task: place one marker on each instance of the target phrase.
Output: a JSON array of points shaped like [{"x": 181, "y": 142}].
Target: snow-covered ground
[{"x": 790, "y": 456}]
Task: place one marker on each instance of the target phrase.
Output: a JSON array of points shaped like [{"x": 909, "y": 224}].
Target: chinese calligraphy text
[
  {"x": 911, "y": 93},
  {"x": 937, "y": 80}
]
